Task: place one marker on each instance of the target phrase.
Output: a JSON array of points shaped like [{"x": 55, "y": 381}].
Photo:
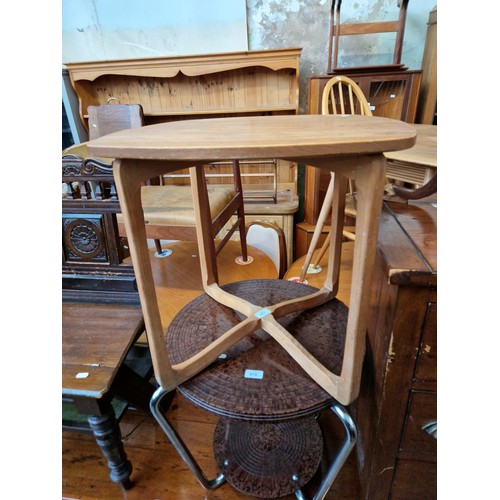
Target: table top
[
  {"x": 95, "y": 341},
  {"x": 425, "y": 150},
  {"x": 257, "y": 137},
  {"x": 408, "y": 242}
]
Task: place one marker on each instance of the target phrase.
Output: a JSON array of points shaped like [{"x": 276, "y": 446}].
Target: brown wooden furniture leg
[
  {"x": 369, "y": 173},
  {"x": 108, "y": 436},
  {"x": 416, "y": 194},
  {"x": 325, "y": 210}
]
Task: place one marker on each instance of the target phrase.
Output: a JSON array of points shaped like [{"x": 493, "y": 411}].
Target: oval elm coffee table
[{"x": 350, "y": 146}]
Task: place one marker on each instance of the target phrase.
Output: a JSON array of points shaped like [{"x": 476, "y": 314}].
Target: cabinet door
[
  {"x": 387, "y": 98},
  {"x": 392, "y": 96}
]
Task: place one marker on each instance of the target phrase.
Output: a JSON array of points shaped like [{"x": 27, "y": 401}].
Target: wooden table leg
[
  {"x": 108, "y": 436},
  {"x": 419, "y": 193}
]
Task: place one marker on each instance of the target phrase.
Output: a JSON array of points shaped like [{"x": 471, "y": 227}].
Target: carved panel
[{"x": 84, "y": 238}]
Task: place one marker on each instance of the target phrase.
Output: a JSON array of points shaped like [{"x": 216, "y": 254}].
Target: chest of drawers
[{"x": 396, "y": 411}]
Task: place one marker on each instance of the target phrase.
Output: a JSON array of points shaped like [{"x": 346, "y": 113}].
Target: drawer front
[
  {"x": 427, "y": 356},
  {"x": 413, "y": 174},
  {"x": 422, "y": 413},
  {"x": 414, "y": 480}
]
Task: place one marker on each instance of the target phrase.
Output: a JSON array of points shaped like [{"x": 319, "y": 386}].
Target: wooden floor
[{"x": 158, "y": 472}]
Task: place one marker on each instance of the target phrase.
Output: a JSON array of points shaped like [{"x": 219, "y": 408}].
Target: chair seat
[{"x": 173, "y": 205}]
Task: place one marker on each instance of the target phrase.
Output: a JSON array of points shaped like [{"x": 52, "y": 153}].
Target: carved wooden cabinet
[
  {"x": 93, "y": 254},
  {"x": 396, "y": 410}
]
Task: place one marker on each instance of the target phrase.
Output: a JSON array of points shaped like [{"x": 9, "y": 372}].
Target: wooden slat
[
  {"x": 367, "y": 28},
  {"x": 406, "y": 172}
]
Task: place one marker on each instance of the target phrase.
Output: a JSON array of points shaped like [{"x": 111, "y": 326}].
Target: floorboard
[{"x": 158, "y": 471}]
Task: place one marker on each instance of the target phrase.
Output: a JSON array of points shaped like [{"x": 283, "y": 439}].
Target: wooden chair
[
  {"x": 104, "y": 120},
  {"x": 168, "y": 209},
  {"x": 341, "y": 96},
  {"x": 270, "y": 239},
  {"x": 338, "y": 30}
]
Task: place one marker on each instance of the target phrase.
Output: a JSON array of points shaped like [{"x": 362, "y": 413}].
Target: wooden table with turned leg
[
  {"x": 96, "y": 339},
  {"x": 350, "y": 146}
]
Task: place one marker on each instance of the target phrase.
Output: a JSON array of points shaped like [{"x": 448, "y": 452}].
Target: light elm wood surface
[
  {"x": 350, "y": 145},
  {"x": 297, "y": 137},
  {"x": 424, "y": 152}
]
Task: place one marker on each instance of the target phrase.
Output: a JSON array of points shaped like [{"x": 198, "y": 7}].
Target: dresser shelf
[
  {"x": 260, "y": 82},
  {"x": 233, "y": 83}
]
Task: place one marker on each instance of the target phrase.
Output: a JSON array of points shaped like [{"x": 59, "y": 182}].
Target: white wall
[
  {"x": 305, "y": 23},
  {"x": 95, "y": 30}
]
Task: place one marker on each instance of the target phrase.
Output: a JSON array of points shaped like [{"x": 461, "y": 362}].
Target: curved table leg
[{"x": 417, "y": 194}]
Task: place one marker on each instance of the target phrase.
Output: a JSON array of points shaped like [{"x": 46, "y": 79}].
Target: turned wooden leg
[{"x": 108, "y": 436}]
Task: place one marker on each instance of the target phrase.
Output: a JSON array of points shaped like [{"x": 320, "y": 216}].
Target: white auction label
[
  {"x": 257, "y": 374},
  {"x": 263, "y": 312}
]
